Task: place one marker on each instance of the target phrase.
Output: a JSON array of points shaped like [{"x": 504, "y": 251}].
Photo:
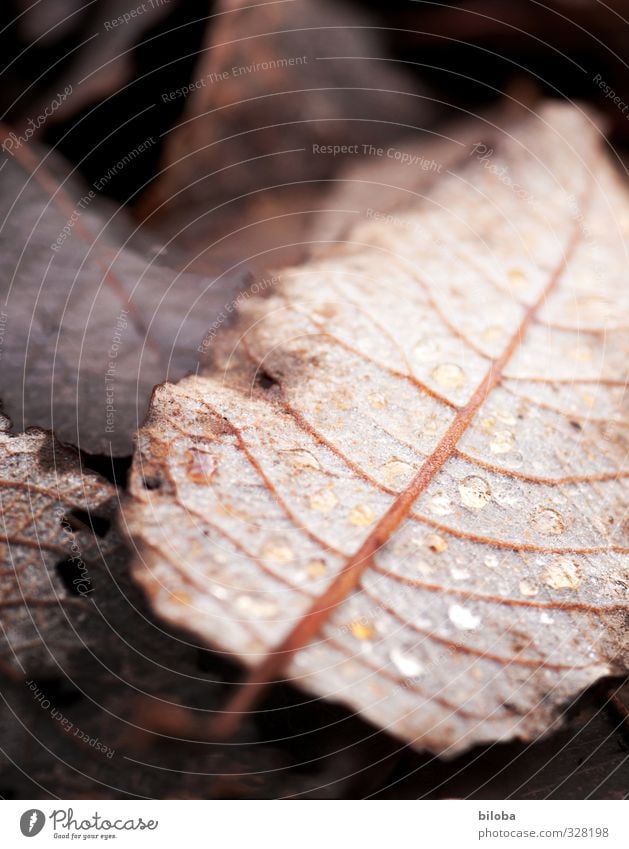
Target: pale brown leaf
[{"x": 402, "y": 482}]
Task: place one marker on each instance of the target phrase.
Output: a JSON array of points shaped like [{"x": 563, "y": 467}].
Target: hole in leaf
[
  {"x": 61, "y": 692},
  {"x": 265, "y": 380},
  {"x": 74, "y": 576},
  {"x": 115, "y": 469},
  {"x": 151, "y": 482},
  {"x": 78, "y": 519}
]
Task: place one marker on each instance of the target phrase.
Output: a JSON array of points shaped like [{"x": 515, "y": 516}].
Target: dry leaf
[
  {"x": 91, "y": 319},
  {"x": 102, "y": 62},
  {"x": 87, "y": 674},
  {"x": 48, "y": 22},
  {"x": 401, "y": 485},
  {"x": 282, "y": 93},
  {"x": 55, "y": 523}
]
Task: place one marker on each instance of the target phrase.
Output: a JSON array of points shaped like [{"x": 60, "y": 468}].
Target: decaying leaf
[
  {"x": 46, "y": 22},
  {"x": 401, "y": 482},
  {"x": 282, "y": 93},
  {"x": 91, "y": 318},
  {"x": 55, "y": 523},
  {"x": 102, "y": 61}
]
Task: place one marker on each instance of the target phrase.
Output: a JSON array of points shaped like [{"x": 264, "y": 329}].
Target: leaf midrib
[{"x": 307, "y": 627}]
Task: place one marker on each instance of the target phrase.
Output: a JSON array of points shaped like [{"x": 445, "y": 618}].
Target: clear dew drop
[
  {"x": 527, "y": 588},
  {"x": 395, "y": 470},
  {"x": 316, "y": 569},
  {"x": 491, "y": 561},
  {"x": 277, "y": 552},
  {"x": 425, "y": 351},
  {"x": 563, "y": 574},
  {"x": 449, "y": 375},
  {"x": 362, "y": 515},
  {"x": 201, "y": 466},
  {"x": 517, "y": 278},
  {"x": 436, "y": 543},
  {"x": 581, "y": 354},
  {"x": 492, "y": 334},
  {"x": 440, "y": 504},
  {"x": 362, "y": 630},
  {"x": 377, "y": 400},
  {"x": 323, "y": 501},
  {"x": 182, "y": 598},
  {"x": 425, "y": 569},
  {"x": 548, "y": 521},
  {"x": 506, "y": 417},
  {"x": 405, "y": 663},
  {"x": 301, "y": 459},
  {"x": 257, "y": 607},
  {"x": 502, "y": 441},
  {"x": 475, "y": 492},
  {"x": 463, "y": 618}
]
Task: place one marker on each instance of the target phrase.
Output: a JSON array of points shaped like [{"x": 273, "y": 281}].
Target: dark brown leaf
[
  {"x": 275, "y": 85},
  {"x": 91, "y": 317}
]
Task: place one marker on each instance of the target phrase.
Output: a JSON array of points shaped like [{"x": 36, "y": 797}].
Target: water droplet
[
  {"x": 362, "y": 630},
  {"x": 277, "y": 552},
  {"x": 475, "y": 492},
  {"x": 405, "y": 663},
  {"x": 326, "y": 311},
  {"x": 431, "y": 426},
  {"x": 449, "y": 375},
  {"x": 596, "y": 308},
  {"x": 377, "y": 400},
  {"x": 528, "y": 588},
  {"x": 299, "y": 458},
  {"x": 362, "y": 515},
  {"x": 501, "y": 441},
  {"x": 517, "y": 278},
  {"x": 256, "y": 606},
  {"x": 324, "y": 500},
  {"x": 201, "y": 466},
  {"x": 492, "y": 334},
  {"x": 440, "y": 504},
  {"x": 182, "y": 598},
  {"x": 460, "y": 574},
  {"x": 491, "y": 561},
  {"x": 562, "y": 574},
  {"x": 463, "y": 618},
  {"x": 394, "y": 469},
  {"x": 548, "y": 521},
  {"x": 436, "y": 543},
  {"x": 505, "y": 417},
  {"x": 426, "y": 569},
  {"x": 425, "y": 351},
  {"x": 316, "y": 569},
  {"x": 582, "y": 354}
]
